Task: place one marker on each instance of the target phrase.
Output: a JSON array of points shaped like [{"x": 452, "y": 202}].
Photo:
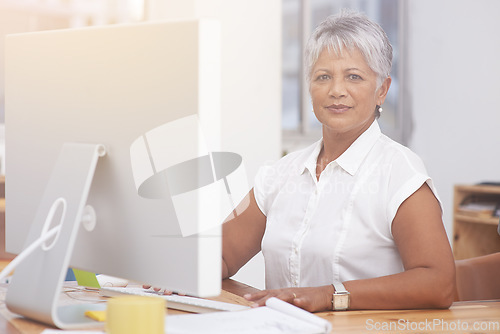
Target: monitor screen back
[{"x": 111, "y": 85}]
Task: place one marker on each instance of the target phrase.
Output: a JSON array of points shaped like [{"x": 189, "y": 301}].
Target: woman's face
[{"x": 344, "y": 92}]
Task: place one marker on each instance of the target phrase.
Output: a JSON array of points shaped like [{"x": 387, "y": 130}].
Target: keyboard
[{"x": 183, "y": 303}]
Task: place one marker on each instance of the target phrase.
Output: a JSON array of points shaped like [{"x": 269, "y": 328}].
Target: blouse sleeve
[
  {"x": 408, "y": 174},
  {"x": 269, "y": 180},
  {"x": 261, "y": 188}
]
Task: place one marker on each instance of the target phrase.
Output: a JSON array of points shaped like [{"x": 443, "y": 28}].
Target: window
[{"x": 300, "y": 127}]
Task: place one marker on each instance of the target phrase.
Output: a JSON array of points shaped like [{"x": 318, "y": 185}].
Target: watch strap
[{"x": 339, "y": 288}]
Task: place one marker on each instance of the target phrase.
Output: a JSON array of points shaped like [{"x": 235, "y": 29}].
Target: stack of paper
[{"x": 275, "y": 318}]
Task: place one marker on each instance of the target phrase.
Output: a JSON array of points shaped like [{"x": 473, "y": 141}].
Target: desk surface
[{"x": 463, "y": 317}]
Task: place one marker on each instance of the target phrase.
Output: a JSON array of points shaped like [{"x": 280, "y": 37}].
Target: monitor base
[{"x": 36, "y": 285}]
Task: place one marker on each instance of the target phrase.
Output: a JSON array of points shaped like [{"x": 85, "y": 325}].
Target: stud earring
[{"x": 380, "y": 109}]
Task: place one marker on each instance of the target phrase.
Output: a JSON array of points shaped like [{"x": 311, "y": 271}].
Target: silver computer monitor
[{"x": 113, "y": 86}]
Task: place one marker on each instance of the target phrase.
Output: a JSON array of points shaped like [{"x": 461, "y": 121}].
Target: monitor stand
[{"x": 36, "y": 285}]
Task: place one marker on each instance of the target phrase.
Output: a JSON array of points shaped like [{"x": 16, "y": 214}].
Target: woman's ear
[{"x": 382, "y": 91}]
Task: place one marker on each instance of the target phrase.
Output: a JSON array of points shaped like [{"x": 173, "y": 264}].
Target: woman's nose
[{"x": 337, "y": 88}]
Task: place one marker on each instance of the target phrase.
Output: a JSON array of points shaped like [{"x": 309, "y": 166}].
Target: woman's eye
[
  {"x": 354, "y": 77},
  {"x": 323, "y": 77}
]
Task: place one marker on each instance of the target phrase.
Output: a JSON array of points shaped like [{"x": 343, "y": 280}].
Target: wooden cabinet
[{"x": 475, "y": 230}]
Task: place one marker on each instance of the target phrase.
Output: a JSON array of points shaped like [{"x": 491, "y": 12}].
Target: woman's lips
[{"x": 338, "y": 108}]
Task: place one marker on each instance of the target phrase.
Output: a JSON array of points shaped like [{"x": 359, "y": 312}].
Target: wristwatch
[{"x": 341, "y": 297}]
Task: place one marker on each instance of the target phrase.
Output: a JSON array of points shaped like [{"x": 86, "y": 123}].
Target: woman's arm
[
  {"x": 429, "y": 277},
  {"x": 427, "y": 282},
  {"x": 242, "y": 236}
]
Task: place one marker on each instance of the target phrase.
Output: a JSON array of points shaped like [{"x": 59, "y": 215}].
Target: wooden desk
[
  {"x": 462, "y": 317},
  {"x": 13, "y": 324}
]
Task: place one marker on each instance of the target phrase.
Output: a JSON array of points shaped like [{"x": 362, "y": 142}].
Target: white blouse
[{"x": 337, "y": 228}]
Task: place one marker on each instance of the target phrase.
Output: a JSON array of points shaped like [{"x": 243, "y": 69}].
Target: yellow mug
[{"x": 135, "y": 315}]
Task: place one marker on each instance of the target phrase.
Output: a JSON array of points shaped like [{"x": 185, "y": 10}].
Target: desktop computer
[{"x": 112, "y": 133}]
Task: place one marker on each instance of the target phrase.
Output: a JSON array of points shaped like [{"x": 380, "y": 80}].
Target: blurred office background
[{"x": 442, "y": 103}]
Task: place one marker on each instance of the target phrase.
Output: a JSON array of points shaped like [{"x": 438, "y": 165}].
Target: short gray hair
[{"x": 351, "y": 30}]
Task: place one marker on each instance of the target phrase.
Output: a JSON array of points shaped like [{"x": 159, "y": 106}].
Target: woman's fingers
[
  {"x": 157, "y": 289},
  {"x": 311, "y": 299},
  {"x": 260, "y": 298}
]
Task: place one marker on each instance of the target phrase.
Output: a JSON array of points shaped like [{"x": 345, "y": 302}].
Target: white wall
[
  {"x": 454, "y": 50},
  {"x": 251, "y": 83}
]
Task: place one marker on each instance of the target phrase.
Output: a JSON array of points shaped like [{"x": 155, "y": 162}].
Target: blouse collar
[{"x": 352, "y": 158}]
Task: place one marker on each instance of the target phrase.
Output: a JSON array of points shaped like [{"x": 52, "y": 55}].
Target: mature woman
[{"x": 353, "y": 221}]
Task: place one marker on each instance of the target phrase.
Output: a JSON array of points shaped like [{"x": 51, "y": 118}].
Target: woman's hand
[
  {"x": 310, "y": 299},
  {"x": 160, "y": 290},
  {"x": 157, "y": 289}
]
